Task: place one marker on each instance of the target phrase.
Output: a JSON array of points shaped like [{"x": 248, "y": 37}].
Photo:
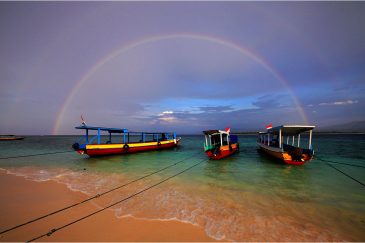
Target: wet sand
[{"x": 22, "y": 200}]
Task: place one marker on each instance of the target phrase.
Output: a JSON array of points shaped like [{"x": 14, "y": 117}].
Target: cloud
[
  {"x": 222, "y": 108},
  {"x": 168, "y": 118},
  {"x": 345, "y": 102},
  {"x": 267, "y": 101},
  {"x": 168, "y": 112}
]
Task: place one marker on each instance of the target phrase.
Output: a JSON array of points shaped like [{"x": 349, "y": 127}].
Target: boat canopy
[
  {"x": 108, "y": 129},
  {"x": 287, "y": 131},
  {"x": 156, "y": 136},
  {"x": 290, "y": 130},
  {"x": 214, "y": 138},
  {"x": 213, "y": 132}
]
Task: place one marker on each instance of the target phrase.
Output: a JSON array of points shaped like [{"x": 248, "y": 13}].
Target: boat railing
[
  {"x": 81, "y": 140},
  {"x": 209, "y": 147},
  {"x": 92, "y": 139},
  {"x": 127, "y": 137}
]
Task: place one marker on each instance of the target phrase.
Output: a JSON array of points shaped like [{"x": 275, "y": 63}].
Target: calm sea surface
[{"x": 246, "y": 197}]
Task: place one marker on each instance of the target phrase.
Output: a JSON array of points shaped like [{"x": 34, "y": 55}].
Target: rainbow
[{"x": 217, "y": 40}]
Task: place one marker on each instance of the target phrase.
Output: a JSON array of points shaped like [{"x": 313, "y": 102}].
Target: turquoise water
[{"x": 246, "y": 197}]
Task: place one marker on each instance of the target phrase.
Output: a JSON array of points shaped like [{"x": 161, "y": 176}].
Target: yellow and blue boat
[{"x": 125, "y": 142}]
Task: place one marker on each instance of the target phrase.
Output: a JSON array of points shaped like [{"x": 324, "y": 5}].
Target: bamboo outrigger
[
  {"x": 273, "y": 143},
  {"x": 129, "y": 142},
  {"x": 220, "y": 144}
]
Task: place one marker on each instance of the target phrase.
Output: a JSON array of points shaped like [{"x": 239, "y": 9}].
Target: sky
[{"x": 180, "y": 66}]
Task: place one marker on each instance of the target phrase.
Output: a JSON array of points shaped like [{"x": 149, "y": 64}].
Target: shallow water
[{"x": 246, "y": 197}]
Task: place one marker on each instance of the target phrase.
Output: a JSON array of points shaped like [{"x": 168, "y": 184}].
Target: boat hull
[
  {"x": 121, "y": 148},
  {"x": 284, "y": 156},
  {"x": 11, "y": 138},
  {"x": 223, "y": 152}
]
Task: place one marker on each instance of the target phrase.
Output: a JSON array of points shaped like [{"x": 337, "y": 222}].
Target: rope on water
[
  {"x": 113, "y": 204},
  {"x": 346, "y": 174},
  {"x": 30, "y": 155},
  {"x": 96, "y": 196},
  {"x": 335, "y": 162}
]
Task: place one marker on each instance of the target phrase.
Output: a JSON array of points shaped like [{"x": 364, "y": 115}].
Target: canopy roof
[
  {"x": 117, "y": 130},
  {"x": 108, "y": 129},
  {"x": 212, "y": 132},
  {"x": 290, "y": 129}
]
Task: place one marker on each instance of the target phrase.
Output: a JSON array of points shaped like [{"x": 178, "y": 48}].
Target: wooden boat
[
  {"x": 10, "y": 137},
  {"x": 220, "y": 144},
  {"x": 126, "y": 143},
  {"x": 272, "y": 142}
]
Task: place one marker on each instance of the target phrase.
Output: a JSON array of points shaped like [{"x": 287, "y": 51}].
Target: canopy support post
[
  {"x": 298, "y": 139},
  {"x": 98, "y": 135},
  {"x": 87, "y": 136},
  {"x": 280, "y": 138},
  {"x": 310, "y": 139}
]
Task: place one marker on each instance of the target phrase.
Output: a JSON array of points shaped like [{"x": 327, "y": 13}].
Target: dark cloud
[
  {"x": 267, "y": 102},
  {"x": 216, "y": 108}
]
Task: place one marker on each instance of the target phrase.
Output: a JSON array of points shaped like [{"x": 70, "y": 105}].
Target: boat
[
  {"x": 10, "y": 137},
  {"x": 220, "y": 144},
  {"x": 276, "y": 143},
  {"x": 122, "y": 141}
]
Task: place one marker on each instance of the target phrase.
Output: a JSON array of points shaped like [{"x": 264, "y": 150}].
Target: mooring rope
[
  {"x": 329, "y": 163},
  {"x": 346, "y": 174},
  {"x": 113, "y": 204},
  {"x": 96, "y": 196},
  {"x": 336, "y": 162},
  {"x": 30, "y": 155}
]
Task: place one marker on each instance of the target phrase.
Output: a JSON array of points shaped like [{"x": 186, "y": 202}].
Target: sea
[{"x": 246, "y": 197}]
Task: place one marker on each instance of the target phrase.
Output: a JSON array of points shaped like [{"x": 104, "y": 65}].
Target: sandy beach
[{"x": 22, "y": 200}]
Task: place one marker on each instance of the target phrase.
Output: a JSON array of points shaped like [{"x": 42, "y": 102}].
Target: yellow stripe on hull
[
  {"x": 226, "y": 147},
  {"x": 121, "y": 145}
]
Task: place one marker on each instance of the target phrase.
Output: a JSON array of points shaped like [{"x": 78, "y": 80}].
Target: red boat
[
  {"x": 126, "y": 143},
  {"x": 220, "y": 144}
]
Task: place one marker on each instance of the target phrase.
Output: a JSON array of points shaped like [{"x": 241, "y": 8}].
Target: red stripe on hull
[
  {"x": 223, "y": 153},
  {"x": 292, "y": 162},
  {"x": 130, "y": 150}
]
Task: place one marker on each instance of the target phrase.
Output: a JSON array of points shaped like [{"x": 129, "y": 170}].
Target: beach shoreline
[{"x": 23, "y": 199}]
